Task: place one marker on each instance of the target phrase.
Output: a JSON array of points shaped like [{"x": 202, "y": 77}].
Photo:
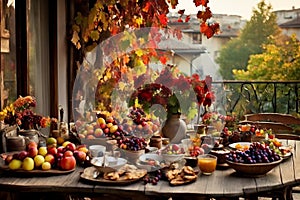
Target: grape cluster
[
  {"x": 137, "y": 115},
  {"x": 132, "y": 143},
  {"x": 153, "y": 178},
  {"x": 257, "y": 153}
]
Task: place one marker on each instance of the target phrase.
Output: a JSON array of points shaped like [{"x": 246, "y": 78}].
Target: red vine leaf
[
  {"x": 201, "y": 2},
  {"x": 187, "y": 19},
  {"x": 181, "y": 12},
  {"x": 209, "y": 30},
  {"x": 163, "y": 59},
  {"x": 163, "y": 19},
  {"x": 204, "y": 15},
  {"x": 147, "y": 6}
]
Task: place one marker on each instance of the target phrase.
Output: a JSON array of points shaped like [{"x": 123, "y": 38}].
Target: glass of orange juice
[{"x": 207, "y": 163}]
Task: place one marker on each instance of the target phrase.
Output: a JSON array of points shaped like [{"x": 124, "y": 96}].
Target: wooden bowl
[
  {"x": 221, "y": 155},
  {"x": 257, "y": 169}
]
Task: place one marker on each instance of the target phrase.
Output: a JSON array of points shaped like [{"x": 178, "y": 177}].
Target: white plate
[
  {"x": 233, "y": 145},
  {"x": 111, "y": 162}
]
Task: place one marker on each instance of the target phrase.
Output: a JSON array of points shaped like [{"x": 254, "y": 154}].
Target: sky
[{"x": 237, "y": 7}]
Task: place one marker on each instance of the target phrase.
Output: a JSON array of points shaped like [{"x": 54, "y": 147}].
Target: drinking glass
[{"x": 207, "y": 163}]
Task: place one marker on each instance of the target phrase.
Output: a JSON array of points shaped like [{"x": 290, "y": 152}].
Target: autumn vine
[{"x": 109, "y": 18}]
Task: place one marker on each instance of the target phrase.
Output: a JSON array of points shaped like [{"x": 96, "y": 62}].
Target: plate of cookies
[{"x": 181, "y": 176}]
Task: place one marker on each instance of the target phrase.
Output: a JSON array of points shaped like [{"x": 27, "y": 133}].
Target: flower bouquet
[{"x": 20, "y": 113}]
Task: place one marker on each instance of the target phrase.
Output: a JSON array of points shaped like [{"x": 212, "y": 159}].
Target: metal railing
[{"x": 241, "y": 97}]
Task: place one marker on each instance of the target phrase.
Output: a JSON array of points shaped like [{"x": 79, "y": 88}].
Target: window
[
  {"x": 197, "y": 38},
  {"x": 28, "y": 40},
  {"x": 8, "y": 84}
]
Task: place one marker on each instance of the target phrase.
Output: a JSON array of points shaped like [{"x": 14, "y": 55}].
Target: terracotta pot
[{"x": 174, "y": 128}]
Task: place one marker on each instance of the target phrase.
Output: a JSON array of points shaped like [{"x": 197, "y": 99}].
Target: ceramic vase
[{"x": 174, "y": 128}]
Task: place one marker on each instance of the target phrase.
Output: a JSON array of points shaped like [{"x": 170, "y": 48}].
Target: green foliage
[
  {"x": 279, "y": 61},
  {"x": 236, "y": 53}
]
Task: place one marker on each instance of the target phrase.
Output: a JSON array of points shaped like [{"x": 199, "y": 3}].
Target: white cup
[{"x": 97, "y": 150}]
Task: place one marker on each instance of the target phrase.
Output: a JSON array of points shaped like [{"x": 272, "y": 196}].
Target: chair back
[{"x": 284, "y": 125}]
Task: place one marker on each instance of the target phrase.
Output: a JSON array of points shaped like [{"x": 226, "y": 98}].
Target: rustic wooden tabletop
[{"x": 223, "y": 183}]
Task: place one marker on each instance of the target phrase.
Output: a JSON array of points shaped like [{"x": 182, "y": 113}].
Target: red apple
[
  {"x": 8, "y": 159},
  {"x": 68, "y": 163},
  {"x": 22, "y": 155},
  {"x": 52, "y": 150},
  {"x": 106, "y": 130},
  {"x": 68, "y": 153},
  {"x": 50, "y": 158},
  {"x": 16, "y": 156},
  {"x": 102, "y": 126},
  {"x": 59, "y": 155},
  {"x": 80, "y": 156},
  {"x": 61, "y": 149},
  {"x": 31, "y": 144},
  {"x": 98, "y": 132},
  {"x": 90, "y": 137},
  {"x": 109, "y": 119},
  {"x": 32, "y": 152},
  {"x": 175, "y": 147},
  {"x": 71, "y": 146}
]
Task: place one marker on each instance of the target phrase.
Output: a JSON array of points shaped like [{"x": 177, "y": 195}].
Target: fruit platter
[
  {"x": 257, "y": 160},
  {"x": 44, "y": 160}
]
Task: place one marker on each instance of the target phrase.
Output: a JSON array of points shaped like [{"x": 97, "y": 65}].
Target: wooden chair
[{"x": 284, "y": 125}]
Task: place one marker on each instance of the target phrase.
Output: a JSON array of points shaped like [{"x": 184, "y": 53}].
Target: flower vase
[{"x": 174, "y": 128}]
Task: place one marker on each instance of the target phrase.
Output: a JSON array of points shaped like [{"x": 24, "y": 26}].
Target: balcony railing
[{"x": 240, "y": 97}]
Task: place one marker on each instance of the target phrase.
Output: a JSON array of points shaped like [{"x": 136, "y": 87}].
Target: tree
[
  {"x": 279, "y": 61},
  {"x": 236, "y": 53}
]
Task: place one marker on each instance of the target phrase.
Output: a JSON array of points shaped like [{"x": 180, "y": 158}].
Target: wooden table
[{"x": 221, "y": 184}]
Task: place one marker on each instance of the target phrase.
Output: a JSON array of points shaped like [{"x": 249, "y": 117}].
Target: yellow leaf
[
  {"x": 75, "y": 38},
  {"x": 139, "y": 52},
  {"x": 139, "y": 21},
  {"x": 122, "y": 85}
]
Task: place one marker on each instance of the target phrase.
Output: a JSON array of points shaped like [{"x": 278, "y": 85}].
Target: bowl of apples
[{"x": 173, "y": 153}]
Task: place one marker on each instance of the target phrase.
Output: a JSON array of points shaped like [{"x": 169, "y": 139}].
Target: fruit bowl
[
  {"x": 253, "y": 170},
  {"x": 170, "y": 158},
  {"x": 132, "y": 156}
]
